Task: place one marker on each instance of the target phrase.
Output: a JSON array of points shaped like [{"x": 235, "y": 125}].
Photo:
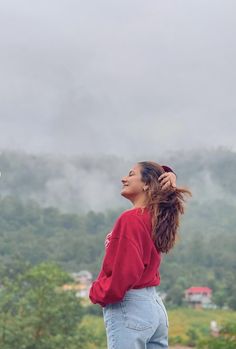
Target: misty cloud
[
  {"x": 79, "y": 184},
  {"x": 127, "y": 78}
]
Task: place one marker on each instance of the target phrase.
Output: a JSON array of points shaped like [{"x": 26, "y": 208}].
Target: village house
[
  {"x": 199, "y": 297},
  {"x": 81, "y": 285}
]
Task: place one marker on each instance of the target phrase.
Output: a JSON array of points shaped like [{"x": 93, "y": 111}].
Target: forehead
[{"x": 136, "y": 168}]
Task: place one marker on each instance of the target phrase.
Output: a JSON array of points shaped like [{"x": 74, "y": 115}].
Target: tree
[{"x": 35, "y": 313}]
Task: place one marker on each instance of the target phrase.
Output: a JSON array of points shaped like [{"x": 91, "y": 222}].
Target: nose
[{"x": 123, "y": 180}]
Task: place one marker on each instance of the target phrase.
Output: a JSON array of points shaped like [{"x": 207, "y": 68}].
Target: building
[
  {"x": 81, "y": 285},
  {"x": 199, "y": 297},
  {"x": 83, "y": 277}
]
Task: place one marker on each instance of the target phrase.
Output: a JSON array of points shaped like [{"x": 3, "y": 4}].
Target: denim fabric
[{"x": 138, "y": 321}]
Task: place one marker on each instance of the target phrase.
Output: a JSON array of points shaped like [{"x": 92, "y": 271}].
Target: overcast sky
[{"x": 117, "y": 76}]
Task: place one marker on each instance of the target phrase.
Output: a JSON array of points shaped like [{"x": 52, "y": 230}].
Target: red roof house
[{"x": 198, "y": 296}]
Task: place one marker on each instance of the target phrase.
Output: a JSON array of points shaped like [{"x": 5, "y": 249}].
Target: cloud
[{"x": 117, "y": 77}]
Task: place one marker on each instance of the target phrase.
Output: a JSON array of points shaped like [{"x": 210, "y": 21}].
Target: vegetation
[
  {"x": 225, "y": 340},
  {"x": 36, "y": 313},
  {"x": 190, "y": 326},
  {"x": 204, "y": 255},
  {"x": 40, "y": 244}
]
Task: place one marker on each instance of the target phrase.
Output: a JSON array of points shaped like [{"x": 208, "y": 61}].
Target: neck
[{"x": 139, "y": 202}]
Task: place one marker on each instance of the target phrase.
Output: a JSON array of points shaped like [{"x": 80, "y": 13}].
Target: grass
[{"x": 183, "y": 319}]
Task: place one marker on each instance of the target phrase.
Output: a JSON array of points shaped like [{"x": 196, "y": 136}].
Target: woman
[{"x": 134, "y": 314}]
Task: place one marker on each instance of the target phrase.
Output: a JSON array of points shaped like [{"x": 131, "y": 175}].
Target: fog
[
  {"x": 129, "y": 78},
  {"x": 82, "y": 183}
]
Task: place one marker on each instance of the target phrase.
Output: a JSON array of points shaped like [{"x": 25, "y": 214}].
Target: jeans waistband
[{"x": 147, "y": 292}]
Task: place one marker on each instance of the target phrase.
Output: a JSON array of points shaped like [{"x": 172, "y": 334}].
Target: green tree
[{"x": 35, "y": 313}]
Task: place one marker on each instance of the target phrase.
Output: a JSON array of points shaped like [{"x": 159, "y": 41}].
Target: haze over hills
[
  {"x": 73, "y": 236},
  {"x": 79, "y": 183}
]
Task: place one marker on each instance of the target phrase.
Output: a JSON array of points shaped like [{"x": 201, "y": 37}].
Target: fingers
[
  {"x": 166, "y": 185},
  {"x": 173, "y": 179},
  {"x": 164, "y": 175},
  {"x": 167, "y": 180},
  {"x": 164, "y": 181},
  {"x": 164, "y": 178}
]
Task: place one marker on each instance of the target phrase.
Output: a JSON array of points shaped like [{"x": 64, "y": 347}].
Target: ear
[{"x": 145, "y": 188}]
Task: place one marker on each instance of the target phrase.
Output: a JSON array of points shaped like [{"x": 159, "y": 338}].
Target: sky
[{"x": 116, "y": 77}]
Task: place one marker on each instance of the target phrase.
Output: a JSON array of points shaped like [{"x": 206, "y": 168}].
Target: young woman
[{"x": 134, "y": 315}]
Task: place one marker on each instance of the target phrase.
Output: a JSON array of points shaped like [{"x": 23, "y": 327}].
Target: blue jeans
[{"x": 139, "y": 321}]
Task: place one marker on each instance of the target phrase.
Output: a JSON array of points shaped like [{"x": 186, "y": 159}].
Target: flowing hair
[{"x": 165, "y": 206}]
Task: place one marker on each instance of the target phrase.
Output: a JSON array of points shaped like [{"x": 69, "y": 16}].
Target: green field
[
  {"x": 183, "y": 322},
  {"x": 184, "y": 319}
]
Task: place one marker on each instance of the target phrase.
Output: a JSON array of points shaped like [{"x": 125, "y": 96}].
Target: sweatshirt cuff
[{"x": 92, "y": 299}]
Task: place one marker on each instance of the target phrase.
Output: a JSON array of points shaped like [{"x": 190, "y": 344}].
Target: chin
[{"x": 124, "y": 194}]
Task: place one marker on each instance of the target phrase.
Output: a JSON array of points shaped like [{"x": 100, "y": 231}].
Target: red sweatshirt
[{"x": 131, "y": 259}]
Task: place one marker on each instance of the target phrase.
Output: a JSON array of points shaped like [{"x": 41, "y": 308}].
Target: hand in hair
[{"x": 167, "y": 179}]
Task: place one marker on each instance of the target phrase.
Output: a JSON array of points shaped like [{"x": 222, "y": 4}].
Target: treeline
[
  {"x": 204, "y": 254},
  {"x": 34, "y": 234},
  {"x": 79, "y": 183}
]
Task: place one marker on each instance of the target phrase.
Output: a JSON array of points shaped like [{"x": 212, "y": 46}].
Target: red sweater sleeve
[{"x": 122, "y": 265}]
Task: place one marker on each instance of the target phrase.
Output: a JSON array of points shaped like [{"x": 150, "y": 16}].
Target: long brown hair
[{"x": 165, "y": 206}]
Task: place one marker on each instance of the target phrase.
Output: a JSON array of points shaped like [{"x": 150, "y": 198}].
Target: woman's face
[{"x": 133, "y": 186}]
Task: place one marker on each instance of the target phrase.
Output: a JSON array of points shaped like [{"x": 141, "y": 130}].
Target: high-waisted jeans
[{"x": 139, "y": 321}]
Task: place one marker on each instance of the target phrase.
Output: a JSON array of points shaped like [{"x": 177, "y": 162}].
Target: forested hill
[
  {"x": 80, "y": 184},
  {"x": 204, "y": 255}
]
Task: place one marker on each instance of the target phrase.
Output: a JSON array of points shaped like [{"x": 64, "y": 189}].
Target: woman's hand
[{"x": 167, "y": 179}]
